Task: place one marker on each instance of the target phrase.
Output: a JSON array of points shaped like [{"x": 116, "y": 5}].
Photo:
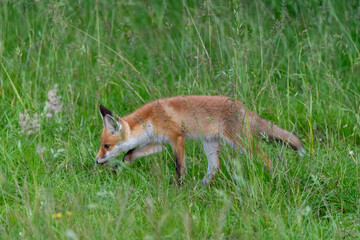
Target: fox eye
[{"x": 106, "y": 146}]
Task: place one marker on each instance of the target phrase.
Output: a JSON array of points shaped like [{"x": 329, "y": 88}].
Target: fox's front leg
[
  {"x": 178, "y": 146},
  {"x": 141, "y": 151}
]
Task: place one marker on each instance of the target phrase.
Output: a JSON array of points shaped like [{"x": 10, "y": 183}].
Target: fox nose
[{"x": 101, "y": 161}]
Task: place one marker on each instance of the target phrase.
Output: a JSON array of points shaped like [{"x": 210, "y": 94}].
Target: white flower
[
  {"x": 54, "y": 104},
  {"x": 28, "y": 125},
  {"x": 351, "y": 152},
  {"x": 39, "y": 149}
]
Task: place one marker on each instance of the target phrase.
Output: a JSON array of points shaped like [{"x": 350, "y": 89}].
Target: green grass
[{"x": 296, "y": 63}]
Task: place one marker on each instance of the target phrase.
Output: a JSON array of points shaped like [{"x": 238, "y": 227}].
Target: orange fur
[{"x": 172, "y": 120}]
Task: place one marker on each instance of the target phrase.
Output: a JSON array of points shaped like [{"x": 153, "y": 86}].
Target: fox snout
[{"x": 101, "y": 160}]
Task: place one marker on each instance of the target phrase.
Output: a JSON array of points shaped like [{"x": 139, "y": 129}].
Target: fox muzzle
[{"x": 101, "y": 160}]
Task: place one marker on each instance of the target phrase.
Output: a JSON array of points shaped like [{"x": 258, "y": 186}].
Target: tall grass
[{"x": 296, "y": 63}]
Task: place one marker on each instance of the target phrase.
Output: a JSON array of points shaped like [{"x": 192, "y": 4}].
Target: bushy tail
[{"x": 274, "y": 132}]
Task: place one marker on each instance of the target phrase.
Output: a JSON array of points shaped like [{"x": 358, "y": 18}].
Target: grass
[{"x": 296, "y": 63}]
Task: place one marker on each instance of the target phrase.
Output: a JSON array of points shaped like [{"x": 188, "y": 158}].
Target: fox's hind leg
[
  {"x": 239, "y": 144},
  {"x": 212, "y": 153}
]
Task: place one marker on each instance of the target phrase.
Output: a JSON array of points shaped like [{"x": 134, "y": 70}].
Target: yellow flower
[
  {"x": 59, "y": 215},
  {"x": 68, "y": 213},
  {"x": 100, "y": 170}
]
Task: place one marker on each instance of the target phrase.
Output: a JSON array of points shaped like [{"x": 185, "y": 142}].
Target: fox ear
[
  {"x": 111, "y": 124},
  {"x": 104, "y": 111}
]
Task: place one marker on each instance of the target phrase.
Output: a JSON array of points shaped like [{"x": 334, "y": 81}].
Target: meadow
[{"x": 296, "y": 63}]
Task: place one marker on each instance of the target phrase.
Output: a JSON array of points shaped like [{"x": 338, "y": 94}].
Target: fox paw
[{"x": 115, "y": 168}]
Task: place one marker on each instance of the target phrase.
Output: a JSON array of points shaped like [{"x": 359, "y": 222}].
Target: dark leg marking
[{"x": 127, "y": 154}]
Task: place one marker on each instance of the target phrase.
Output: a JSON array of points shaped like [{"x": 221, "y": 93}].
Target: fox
[{"x": 210, "y": 119}]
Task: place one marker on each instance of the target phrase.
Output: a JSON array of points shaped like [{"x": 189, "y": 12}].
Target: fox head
[{"x": 113, "y": 138}]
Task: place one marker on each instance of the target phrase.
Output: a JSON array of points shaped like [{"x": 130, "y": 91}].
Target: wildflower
[
  {"x": 71, "y": 234},
  {"x": 68, "y": 213},
  {"x": 56, "y": 215},
  {"x": 39, "y": 149},
  {"x": 345, "y": 126},
  {"x": 306, "y": 210},
  {"x": 150, "y": 203},
  {"x": 28, "y": 125},
  {"x": 54, "y": 104},
  {"x": 100, "y": 170},
  {"x": 351, "y": 152},
  {"x": 320, "y": 139}
]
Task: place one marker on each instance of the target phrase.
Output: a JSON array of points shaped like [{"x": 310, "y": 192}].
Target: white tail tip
[{"x": 301, "y": 152}]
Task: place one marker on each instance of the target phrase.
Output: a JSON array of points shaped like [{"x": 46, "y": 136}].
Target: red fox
[{"x": 172, "y": 120}]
